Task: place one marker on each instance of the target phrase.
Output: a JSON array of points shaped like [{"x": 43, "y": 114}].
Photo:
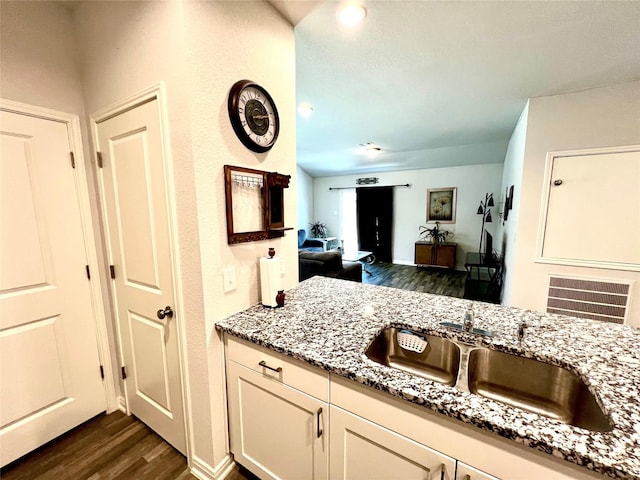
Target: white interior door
[
  {"x": 49, "y": 368},
  {"x": 137, "y": 224}
]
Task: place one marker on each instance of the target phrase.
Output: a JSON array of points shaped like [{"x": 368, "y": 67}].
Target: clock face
[{"x": 253, "y": 115}]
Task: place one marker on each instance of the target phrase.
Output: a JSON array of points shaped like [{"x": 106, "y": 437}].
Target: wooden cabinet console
[{"x": 429, "y": 255}]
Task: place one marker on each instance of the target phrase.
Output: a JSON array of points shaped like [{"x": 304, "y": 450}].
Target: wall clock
[{"x": 253, "y": 115}]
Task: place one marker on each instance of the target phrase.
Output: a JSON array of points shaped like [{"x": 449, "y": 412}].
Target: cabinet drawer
[
  {"x": 289, "y": 371},
  {"x": 467, "y": 472}
]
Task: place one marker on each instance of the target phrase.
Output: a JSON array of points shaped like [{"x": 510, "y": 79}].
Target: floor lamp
[{"x": 485, "y": 211}]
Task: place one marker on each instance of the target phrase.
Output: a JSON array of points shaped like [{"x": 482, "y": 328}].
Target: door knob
[
  {"x": 167, "y": 312},
  {"x": 557, "y": 183}
]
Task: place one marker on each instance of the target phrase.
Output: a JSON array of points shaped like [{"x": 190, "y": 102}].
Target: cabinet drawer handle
[
  {"x": 318, "y": 427},
  {"x": 264, "y": 364}
]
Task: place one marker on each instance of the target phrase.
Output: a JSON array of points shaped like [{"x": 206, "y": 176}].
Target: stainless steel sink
[
  {"x": 439, "y": 361},
  {"x": 535, "y": 386}
]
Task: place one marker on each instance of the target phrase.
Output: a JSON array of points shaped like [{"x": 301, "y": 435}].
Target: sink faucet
[
  {"x": 521, "y": 330},
  {"x": 467, "y": 325}
]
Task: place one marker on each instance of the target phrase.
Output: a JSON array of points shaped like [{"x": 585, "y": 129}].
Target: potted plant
[
  {"x": 318, "y": 230},
  {"x": 434, "y": 234}
]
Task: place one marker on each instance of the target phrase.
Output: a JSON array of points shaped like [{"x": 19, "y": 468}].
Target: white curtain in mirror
[{"x": 349, "y": 220}]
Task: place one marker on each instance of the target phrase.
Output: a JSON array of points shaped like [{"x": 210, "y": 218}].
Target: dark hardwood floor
[
  {"x": 111, "y": 446},
  {"x": 408, "y": 277}
]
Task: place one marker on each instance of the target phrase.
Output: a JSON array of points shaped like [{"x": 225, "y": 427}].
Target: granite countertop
[{"x": 329, "y": 323}]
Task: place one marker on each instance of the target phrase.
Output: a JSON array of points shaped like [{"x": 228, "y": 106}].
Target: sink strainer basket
[{"x": 411, "y": 341}]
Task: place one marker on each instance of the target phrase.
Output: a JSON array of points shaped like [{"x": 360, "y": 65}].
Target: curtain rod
[{"x": 372, "y": 186}]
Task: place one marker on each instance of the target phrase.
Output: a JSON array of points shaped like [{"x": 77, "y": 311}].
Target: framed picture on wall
[{"x": 441, "y": 205}]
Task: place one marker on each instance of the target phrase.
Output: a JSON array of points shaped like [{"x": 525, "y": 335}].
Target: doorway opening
[{"x": 375, "y": 221}]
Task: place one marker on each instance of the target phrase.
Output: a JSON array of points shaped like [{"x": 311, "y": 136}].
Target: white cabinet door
[
  {"x": 466, "y": 472},
  {"x": 590, "y": 186},
  {"x": 364, "y": 450},
  {"x": 276, "y": 431}
]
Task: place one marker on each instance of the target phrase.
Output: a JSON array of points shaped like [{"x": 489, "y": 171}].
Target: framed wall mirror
[{"x": 254, "y": 204}]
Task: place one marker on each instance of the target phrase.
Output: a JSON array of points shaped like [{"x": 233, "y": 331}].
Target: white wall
[
  {"x": 473, "y": 182},
  {"x": 305, "y": 199},
  {"x": 512, "y": 175},
  {"x": 39, "y": 56},
  {"x": 600, "y": 117},
  {"x": 227, "y": 42},
  {"x": 199, "y": 49}
]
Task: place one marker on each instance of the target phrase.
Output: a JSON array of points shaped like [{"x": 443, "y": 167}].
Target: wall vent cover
[{"x": 588, "y": 298}]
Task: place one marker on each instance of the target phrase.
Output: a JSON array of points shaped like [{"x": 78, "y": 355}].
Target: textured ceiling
[{"x": 438, "y": 84}]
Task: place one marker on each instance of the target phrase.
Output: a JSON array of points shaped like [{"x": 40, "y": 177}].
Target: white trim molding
[
  {"x": 122, "y": 405},
  {"x": 202, "y": 470}
]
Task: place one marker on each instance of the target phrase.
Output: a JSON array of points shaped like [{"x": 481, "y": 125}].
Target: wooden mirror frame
[{"x": 272, "y": 185}]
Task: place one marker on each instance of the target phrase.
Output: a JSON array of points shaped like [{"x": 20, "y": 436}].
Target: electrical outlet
[{"x": 229, "y": 279}]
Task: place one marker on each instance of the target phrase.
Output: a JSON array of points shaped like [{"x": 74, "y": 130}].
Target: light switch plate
[{"x": 229, "y": 279}]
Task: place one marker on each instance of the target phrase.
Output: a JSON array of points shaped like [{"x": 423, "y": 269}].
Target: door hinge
[
  {"x": 112, "y": 271},
  {"x": 124, "y": 373},
  {"x": 101, "y": 372},
  {"x": 73, "y": 160},
  {"x": 99, "y": 155},
  {"x": 88, "y": 272}
]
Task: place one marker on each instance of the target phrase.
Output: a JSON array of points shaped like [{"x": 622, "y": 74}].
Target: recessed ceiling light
[
  {"x": 372, "y": 151},
  {"x": 305, "y": 110},
  {"x": 351, "y": 14}
]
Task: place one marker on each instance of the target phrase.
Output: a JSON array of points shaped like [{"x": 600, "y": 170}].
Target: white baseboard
[
  {"x": 203, "y": 471},
  {"x": 404, "y": 262},
  {"x": 199, "y": 468}
]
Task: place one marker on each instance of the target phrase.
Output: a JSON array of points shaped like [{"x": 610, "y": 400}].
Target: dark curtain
[{"x": 375, "y": 220}]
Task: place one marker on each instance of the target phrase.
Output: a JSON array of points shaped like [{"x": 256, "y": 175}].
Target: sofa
[
  {"x": 308, "y": 244},
  {"x": 327, "y": 264}
]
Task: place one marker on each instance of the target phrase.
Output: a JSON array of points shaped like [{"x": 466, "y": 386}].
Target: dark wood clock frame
[{"x": 237, "y": 116}]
